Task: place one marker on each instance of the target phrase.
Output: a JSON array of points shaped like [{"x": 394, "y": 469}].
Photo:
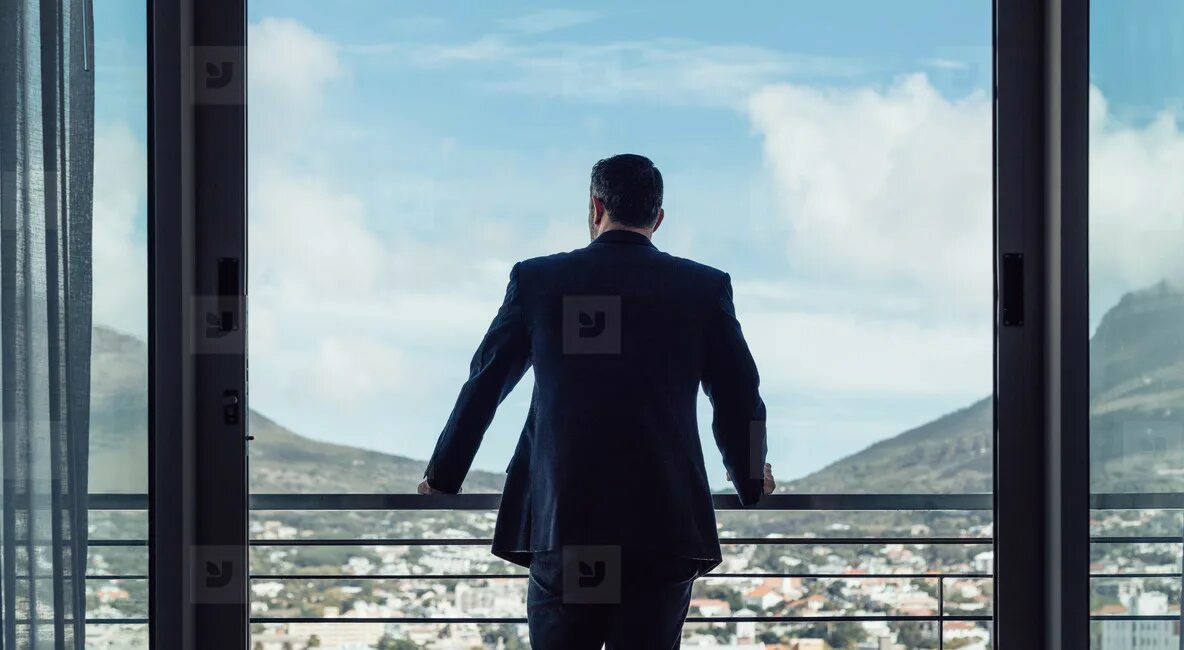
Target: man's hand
[
  {"x": 770, "y": 482},
  {"x": 424, "y": 488}
]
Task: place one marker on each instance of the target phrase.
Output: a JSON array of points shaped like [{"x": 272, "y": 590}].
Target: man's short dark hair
[{"x": 630, "y": 187}]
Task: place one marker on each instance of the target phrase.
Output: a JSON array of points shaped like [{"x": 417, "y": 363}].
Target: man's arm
[
  {"x": 731, "y": 382},
  {"x": 500, "y": 361}
]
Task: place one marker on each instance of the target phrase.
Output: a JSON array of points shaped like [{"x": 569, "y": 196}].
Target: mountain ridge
[{"x": 1136, "y": 422}]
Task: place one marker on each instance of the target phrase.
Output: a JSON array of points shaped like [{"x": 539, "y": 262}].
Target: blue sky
[{"x": 833, "y": 157}]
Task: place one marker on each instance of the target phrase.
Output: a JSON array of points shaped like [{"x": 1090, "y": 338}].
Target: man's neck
[{"x": 648, "y": 232}]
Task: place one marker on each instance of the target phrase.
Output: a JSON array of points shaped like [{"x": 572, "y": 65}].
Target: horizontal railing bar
[
  {"x": 442, "y": 620},
  {"x": 808, "y": 541},
  {"x": 89, "y": 576},
  {"x": 802, "y": 502},
  {"x": 1137, "y": 501},
  {"x": 1134, "y": 617},
  {"x": 727, "y": 541},
  {"x": 901, "y": 501},
  {"x": 391, "y": 576},
  {"x": 523, "y": 576},
  {"x": 1138, "y": 539},
  {"x": 736, "y": 576},
  {"x": 386, "y": 541},
  {"x": 713, "y": 619},
  {"x": 89, "y": 621},
  {"x": 1136, "y": 574},
  {"x": 849, "y": 541},
  {"x": 113, "y": 501}
]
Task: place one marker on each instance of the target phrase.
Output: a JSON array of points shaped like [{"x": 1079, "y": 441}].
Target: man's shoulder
[
  {"x": 692, "y": 266},
  {"x": 546, "y": 261},
  {"x": 700, "y": 271}
]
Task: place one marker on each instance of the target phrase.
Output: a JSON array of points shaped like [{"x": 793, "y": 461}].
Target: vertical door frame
[
  {"x": 197, "y": 216},
  {"x": 198, "y": 500},
  {"x": 1042, "y": 363},
  {"x": 170, "y": 386}
]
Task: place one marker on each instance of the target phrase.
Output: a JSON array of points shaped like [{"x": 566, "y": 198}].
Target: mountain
[
  {"x": 951, "y": 454},
  {"x": 1136, "y": 420},
  {"x": 1137, "y": 393},
  {"x": 281, "y": 460}
]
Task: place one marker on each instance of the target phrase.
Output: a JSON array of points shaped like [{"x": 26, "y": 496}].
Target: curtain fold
[{"x": 46, "y": 192}]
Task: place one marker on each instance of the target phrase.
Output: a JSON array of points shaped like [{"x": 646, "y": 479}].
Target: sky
[{"x": 834, "y": 157}]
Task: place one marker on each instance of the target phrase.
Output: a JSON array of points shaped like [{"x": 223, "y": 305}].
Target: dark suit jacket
[{"x": 620, "y": 336}]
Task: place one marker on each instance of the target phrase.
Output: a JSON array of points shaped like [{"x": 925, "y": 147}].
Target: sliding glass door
[
  {"x": 884, "y": 182},
  {"x": 117, "y": 561},
  {"x": 835, "y": 158},
  {"x": 1136, "y": 404}
]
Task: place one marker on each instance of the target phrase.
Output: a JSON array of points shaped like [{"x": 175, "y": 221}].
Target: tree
[
  {"x": 915, "y": 636},
  {"x": 845, "y": 635},
  {"x": 838, "y": 635},
  {"x": 388, "y": 642},
  {"x": 728, "y": 595},
  {"x": 314, "y": 641}
]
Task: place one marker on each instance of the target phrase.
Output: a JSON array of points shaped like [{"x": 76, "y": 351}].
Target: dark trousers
[{"x": 589, "y": 597}]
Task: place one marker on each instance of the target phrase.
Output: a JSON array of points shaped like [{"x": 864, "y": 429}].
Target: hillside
[
  {"x": 1136, "y": 407},
  {"x": 951, "y": 454},
  {"x": 1136, "y": 418},
  {"x": 281, "y": 460},
  {"x": 1137, "y": 393}
]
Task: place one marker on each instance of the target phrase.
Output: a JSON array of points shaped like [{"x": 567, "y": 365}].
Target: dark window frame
[
  {"x": 197, "y": 214},
  {"x": 197, "y": 377}
]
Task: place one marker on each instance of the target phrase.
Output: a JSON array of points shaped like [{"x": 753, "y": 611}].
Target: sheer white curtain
[{"x": 46, "y": 160}]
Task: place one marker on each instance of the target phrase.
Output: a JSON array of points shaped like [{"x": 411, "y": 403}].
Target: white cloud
[
  {"x": 291, "y": 69},
  {"x": 1136, "y": 202},
  {"x": 549, "y": 20},
  {"x": 948, "y": 64},
  {"x": 807, "y": 351},
  {"x": 344, "y": 314},
  {"x": 348, "y": 372},
  {"x": 885, "y": 194},
  {"x": 663, "y": 70},
  {"x": 886, "y": 188},
  {"x": 310, "y": 238},
  {"x": 290, "y": 63},
  {"x": 120, "y": 254}
]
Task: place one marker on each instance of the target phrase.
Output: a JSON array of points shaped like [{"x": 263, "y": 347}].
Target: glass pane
[
  {"x": 117, "y": 562},
  {"x": 404, "y": 155},
  {"x": 1136, "y": 312}
]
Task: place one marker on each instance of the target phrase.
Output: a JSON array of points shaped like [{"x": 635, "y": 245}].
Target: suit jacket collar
[{"x": 623, "y": 237}]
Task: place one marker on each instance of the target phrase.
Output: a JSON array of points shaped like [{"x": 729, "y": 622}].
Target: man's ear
[
  {"x": 661, "y": 216},
  {"x": 597, "y": 210}
]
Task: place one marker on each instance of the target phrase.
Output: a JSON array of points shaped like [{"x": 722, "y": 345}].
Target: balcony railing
[{"x": 779, "y": 503}]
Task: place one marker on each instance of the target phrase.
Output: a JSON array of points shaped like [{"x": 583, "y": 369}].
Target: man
[{"x": 606, "y": 497}]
